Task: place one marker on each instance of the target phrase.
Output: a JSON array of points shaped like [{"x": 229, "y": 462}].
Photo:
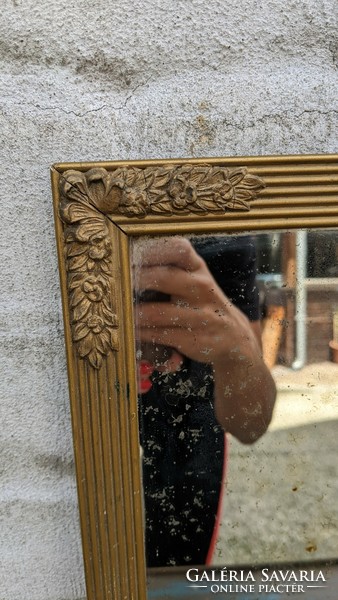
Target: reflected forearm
[{"x": 245, "y": 392}]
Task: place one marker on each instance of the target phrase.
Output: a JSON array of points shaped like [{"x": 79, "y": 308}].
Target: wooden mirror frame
[{"x": 98, "y": 207}]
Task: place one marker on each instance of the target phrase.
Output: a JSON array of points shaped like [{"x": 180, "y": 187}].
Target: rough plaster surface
[{"x": 120, "y": 80}]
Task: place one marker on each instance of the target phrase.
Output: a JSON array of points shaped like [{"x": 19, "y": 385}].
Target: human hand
[
  {"x": 196, "y": 318},
  {"x": 200, "y": 322}
]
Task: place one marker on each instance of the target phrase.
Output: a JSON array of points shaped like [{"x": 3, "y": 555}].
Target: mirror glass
[{"x": 267, "y": 491}]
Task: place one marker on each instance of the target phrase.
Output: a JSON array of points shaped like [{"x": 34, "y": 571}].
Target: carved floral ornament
[{"x": 133, "y": 192}]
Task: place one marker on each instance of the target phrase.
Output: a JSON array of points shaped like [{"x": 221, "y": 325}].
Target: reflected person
[{"x": 201, "y": 375}]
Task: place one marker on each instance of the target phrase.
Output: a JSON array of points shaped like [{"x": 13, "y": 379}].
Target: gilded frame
[{"x": 98, "y": 207}]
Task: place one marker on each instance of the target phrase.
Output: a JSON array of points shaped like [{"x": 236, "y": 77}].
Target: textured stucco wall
[{"x": 120, "y": 80}]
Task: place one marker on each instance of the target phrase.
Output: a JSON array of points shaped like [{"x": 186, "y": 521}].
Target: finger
[
  {"x": 182, "y": 314},
  {"x": 176, "y": 251},
  {"x": 166, "y": 314},
  {"x": 187, "y": 343},
  {"x": 174, "y": 281},
  {"x": 165, "y": 336}
]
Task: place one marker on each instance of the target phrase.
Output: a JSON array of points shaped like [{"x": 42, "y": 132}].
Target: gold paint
[
  {"x": 88, "y": 253},
  {"x": 98, "y": 206},
  {"x": 85, "y": 200}
]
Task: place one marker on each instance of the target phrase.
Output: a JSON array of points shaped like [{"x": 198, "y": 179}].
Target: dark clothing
[
  {"x": 232, "y": 263},
  {"x": 183, "y": 444}
]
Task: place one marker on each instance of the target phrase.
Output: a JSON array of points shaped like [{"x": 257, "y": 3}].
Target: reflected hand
[{"x": 199, "y": 321}]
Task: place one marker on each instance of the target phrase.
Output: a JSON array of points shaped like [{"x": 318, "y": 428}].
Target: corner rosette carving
[
  {"x": 88, "y": 257},
  {"x": 133, "y": 192}
]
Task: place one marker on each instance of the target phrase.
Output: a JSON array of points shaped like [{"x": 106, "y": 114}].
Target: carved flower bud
[
  {"x": 95, "y": 323},
  {"x": 104, "y": 192},
  {"x": 99, "y": 248},
  {"x": 93, "y": 289}
]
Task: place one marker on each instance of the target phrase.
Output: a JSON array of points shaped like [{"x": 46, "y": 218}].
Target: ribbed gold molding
[
  {"x": 133, "y": 192},
  {"x": 96, "y": 212}
]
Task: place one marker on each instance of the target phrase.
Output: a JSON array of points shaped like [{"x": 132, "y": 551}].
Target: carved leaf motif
[
  {"x": 184, "y": 189},
  {"x": 88, "y": 258},
  {"x": 132, "y": 192}
]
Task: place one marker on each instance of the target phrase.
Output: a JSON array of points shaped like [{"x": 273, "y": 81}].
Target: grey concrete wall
[{"x": 96, "y": 80}]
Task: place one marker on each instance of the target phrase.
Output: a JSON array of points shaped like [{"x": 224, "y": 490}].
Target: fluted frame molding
[{"x": 98, "y": 207}]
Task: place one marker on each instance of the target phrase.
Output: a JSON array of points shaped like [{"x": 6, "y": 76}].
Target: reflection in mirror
[{"x": 215, "y": 317}]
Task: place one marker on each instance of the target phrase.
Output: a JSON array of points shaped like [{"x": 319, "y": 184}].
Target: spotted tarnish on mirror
[{"x": 99, "y": 207}]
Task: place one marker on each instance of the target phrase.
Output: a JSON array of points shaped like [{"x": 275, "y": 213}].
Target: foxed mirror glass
[
  {"x": 290, "y": 467},
  {"x": 156, "y": 379}
]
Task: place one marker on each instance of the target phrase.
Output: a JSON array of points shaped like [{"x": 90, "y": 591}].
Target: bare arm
[{"x": 245, "y": 392}]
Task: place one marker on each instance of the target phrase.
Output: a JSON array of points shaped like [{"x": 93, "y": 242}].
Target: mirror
[
  {"x": 290, "y": 469},
  {"x": 101, "y": 212}
]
